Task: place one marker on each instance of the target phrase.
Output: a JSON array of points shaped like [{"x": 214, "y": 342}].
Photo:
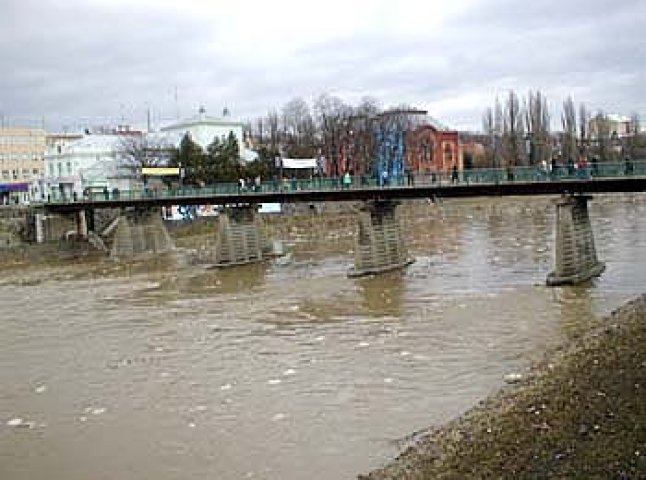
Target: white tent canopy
[{"x": 299, "y": 163}]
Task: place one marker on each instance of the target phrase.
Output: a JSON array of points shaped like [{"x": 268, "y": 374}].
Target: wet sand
[{"x": 580, "y": 413}]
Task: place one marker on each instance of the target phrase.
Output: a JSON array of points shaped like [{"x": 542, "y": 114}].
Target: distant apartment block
[
  {"x": 22, "y": 152},
  {"x": 617, "y": 125}
]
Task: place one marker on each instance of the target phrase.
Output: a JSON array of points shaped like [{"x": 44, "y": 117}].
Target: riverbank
[{"x": 581, "y": 413}]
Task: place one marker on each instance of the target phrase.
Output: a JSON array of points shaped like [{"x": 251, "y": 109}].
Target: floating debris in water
[
  {"x": 289, "y": 371},
  {"x": 226, "y": 386},
  {"x": 15, "y": 422},
  {"x": 191, "y": 425},
  {"x": 513, "y": 377},
  {"x": 388, "y": 380},
  {"x": 278, "y": 417},
  {"x": 95, "y": 410},
  {"x": 404, "y": 353},
  {"x": 274, "y": 381},
  {"x": 363, "y": 344},
  {"x": 40, "y": 389}
]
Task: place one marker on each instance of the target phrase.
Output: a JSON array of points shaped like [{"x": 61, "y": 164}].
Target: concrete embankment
[{"x": 579, "y": 414}]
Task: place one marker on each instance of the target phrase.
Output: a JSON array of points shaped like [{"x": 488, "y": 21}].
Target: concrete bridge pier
[
  {"x": 81, "y": 224},
  {"x": 140, "y": 231},
  {"x": 576, "y": 257},
  {"x": 240, "y": 238},
  {"x": 379, "y": 246}
]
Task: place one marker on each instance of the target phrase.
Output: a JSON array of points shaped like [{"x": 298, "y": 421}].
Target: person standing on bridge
[
  {"x": 410, "y": 177},
  {"x": 544, "y": 169},
  {"x": 628, "y": 166},
  {"x": 454, "y": 175},
  {"x": 347, "y": 180},
  {"x": 384, "y": 178}
]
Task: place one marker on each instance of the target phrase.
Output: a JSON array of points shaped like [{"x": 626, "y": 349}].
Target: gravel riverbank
[{"x": 581, "y": 413}]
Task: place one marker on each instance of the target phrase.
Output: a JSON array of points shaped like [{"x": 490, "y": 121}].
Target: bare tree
[
  {"x": 568, "y": 122},
  {"x": 537, "y": 119},
  {"x": 332, "y": 115},
  {"x": 368, "y": 106},
  {"x": 144, "y": 150},
  {"x": 141, "y": 151},
  {"x": 513, "y": 130},
  {"x": 273, "y": 124},
  {"x": 259, "y": 131},
  {"x": 489, "y": 130},
  {"x": 584, "y": 118},
  {"x": 498, "y": 128}
]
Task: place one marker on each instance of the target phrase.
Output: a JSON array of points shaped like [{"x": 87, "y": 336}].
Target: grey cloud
[{"x": 79, "y": 61}]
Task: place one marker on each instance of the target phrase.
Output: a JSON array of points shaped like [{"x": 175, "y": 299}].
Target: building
[
  {"x": 204, "y": 129},
  {"x": 396, "y": 142},
  {"x": 617, "y": 126},
  {"x": 431, "y": 148},
  {"x": 91, "y": 163},
  {"x": 22, "y": 152}
]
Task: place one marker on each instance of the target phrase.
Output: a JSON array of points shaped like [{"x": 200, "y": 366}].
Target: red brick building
[{"x": 429, "y": 149}]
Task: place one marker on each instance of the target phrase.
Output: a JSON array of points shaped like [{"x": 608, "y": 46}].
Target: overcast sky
[{"x": 76, "y": 62}]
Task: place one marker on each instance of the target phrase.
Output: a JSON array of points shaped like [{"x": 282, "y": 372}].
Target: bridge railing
[{"x": 470, "y": 176}]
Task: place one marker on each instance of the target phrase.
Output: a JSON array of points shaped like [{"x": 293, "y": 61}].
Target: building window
[
  {"x": 448, "y": 153},
  {"x": 69, "y": 168},
  {"x": 60, "y": 169}
]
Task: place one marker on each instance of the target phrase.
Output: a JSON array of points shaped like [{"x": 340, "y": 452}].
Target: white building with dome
[{"x": 203, "y": 129}]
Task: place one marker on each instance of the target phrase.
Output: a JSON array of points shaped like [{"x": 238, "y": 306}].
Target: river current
[{"x": 289, "y": 370}]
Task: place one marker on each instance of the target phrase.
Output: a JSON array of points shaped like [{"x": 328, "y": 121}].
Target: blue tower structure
[{"x": 390, "y": 140}]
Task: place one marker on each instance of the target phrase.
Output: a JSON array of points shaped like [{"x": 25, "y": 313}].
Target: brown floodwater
[{"x": 289, "y": 370}]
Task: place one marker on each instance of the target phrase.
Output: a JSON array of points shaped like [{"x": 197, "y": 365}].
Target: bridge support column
[
  {"x": 240, "y": 239},
  {"x": 81, "y": 224},
  {"x": 140, "y": 231},
  {"x": 380, "y": 245},
  {"x": 576, "y": 257},
  {"x": 39, "y": 224}
]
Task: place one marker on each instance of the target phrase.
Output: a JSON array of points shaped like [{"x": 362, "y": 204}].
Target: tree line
[
  {"x": 519, "y": 133},
  {"x": 516, "y": 132}
]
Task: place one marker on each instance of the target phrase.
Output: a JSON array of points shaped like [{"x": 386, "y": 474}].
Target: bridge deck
[
  {"x": 611, "y": 178},
  {"x": 207, "y": 196}
]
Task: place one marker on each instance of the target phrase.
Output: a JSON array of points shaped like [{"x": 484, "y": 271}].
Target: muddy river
[{"x": 289, "y": 370}]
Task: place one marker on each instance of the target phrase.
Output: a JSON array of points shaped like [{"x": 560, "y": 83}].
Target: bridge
[
  {"x": 380, "y": 244},
  {"x": 611, "y": 178}
]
